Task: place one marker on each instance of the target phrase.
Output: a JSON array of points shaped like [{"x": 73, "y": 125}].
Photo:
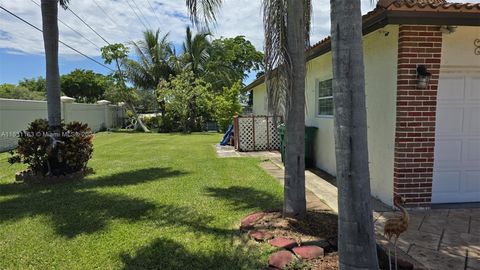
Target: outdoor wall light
[{"x": 423, "y": 77}]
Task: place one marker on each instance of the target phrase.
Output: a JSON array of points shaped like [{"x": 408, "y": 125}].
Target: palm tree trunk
[
  {"x": 128, "y": 102},
  {"x": 50, "y": 38},
  {"x": 356, "y": 242},
  {"x": 294, "y": 197}
]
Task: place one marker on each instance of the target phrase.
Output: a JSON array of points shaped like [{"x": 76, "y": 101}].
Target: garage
[{"x": 456, "y": 172}]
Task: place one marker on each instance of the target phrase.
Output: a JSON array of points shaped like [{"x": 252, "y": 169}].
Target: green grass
[{"x": 155, "y": 202}]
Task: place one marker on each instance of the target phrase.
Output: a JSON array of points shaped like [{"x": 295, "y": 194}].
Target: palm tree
[
  {"x": 287, "y": 31},
  {"x": 195, "y": 52},
  {"x": 357, "y": 249},
  {"x": 155, "y": 57},
  {"x": 156, "y": 62},
  {"x": 50, "y": 39}
]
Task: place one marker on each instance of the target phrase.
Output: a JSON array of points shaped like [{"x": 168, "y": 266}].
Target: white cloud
[{"x": 237, "y": 17}]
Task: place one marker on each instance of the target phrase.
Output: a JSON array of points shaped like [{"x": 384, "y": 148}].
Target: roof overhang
[{"x": 457, "y": 14}]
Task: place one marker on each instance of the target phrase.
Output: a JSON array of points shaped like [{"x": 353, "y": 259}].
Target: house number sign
[{"x": 477, "y": 46}]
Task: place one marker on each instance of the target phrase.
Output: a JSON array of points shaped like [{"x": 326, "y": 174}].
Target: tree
[
  {"x": 231, "y": 59},
  {"x": 118, "y": 53},
  {"x": 34, "y": 84},
  {"x": 155, "y": 60},
  {"x": 11, "y": 91},
  {"x": 50, "y": 39},
  {"x": 196, "y": 52},
  {"x": 287, "y": 28},
  {"x": 183, "y": 92},
  {"x": 357, "y": 249},
  {"x": 85, "y": 86},
  {"x": 227, "y": 105}
]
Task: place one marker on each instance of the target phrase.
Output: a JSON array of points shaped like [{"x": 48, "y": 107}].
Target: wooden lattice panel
[
  {"x": 274, "y": 137},
  {"x": 258, "y": 133},
  {"x": 246, "y": 134},
  {"x": 261, "y": 136}
]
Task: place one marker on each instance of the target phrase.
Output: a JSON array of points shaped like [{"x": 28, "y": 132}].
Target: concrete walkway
[{"x": 437, "y": 238}]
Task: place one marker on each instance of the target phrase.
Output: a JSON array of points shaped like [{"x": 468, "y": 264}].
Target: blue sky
[{"x": 21, "y": 47}]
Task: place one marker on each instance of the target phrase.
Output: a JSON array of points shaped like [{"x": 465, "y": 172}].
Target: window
[{"x": 325, "y": 98}]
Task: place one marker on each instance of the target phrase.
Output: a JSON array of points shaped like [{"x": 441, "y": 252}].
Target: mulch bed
[
  {"x": 316, "y": 234},
  {"x": 317, "y": 231}
]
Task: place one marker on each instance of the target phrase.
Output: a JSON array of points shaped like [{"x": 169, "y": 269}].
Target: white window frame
[{"x": 318, "y": 98}]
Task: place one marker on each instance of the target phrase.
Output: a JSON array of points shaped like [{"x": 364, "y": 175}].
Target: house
[{"x": 424, "y": 144}]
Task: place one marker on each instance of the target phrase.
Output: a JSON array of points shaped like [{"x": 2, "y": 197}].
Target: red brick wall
[{"x": 416, "y": 110}]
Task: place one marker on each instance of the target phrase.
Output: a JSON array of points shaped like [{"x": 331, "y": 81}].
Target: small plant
[{"x": 50, "y": 154}]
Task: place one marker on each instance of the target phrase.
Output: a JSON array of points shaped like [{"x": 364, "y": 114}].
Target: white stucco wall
[
  {"x": 380, "y": 54},
  {"x": 458, "y": 49},
  {"x": 15, "y": 115},
  {"x": 260, "y": 106}
]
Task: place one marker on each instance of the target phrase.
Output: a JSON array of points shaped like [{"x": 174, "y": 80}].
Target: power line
[
  {"x": 141, "y": 12},
  {"x": 65, "y": 44},
  {"x": 91, "y": 28},
  {"x": 138, "y": 17},
  {"x": 104, "y": 12},
  {"x": 78, "y": 33},
  {"x": 154, "y": 12}
]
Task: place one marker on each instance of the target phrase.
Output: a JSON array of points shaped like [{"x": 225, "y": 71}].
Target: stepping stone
[
  {"x": 281, "y": 242},
  {"x": 260, "y": 236},
  {"x": 248, "y": 221},
  {"x": 281, "y": 259},
  {"x": 309, "y": 252}
]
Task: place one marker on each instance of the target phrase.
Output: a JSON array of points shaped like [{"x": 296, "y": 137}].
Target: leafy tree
[
  {"x": 227, "y": 105},
  {"x": 85, "y": 85},
  {"x": 357, "y": 249},
  {"x": 184, "y": 94},
  {"x": 231, "y": 59},
  {"x": 118, "y": 53},
  {"x": 11, "y": 91},
  {"x": 34, "y": 84}
]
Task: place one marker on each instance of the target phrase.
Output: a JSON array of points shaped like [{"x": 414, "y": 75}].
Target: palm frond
[
  {"x": 64, "y": 3},
  {"x": 205, "y": 9},
  {"x": 278, "y": 70}
]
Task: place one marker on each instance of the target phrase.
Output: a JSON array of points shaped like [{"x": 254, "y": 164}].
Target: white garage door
[{"x": 456, "y": 173}]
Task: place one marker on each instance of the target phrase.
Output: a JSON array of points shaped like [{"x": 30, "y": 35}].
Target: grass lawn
[{"x": 155, "y": 202}]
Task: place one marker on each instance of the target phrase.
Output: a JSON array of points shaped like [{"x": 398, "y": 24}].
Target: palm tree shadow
[
  {"x": 74, "y": 208},
  {"x": 178, "y": 216},
  {"x": 133, "y": 177},
  {"x": 166, "y": 254},
  {"x": 125, "y": 178},
  {"x": 243, "y": 198}
]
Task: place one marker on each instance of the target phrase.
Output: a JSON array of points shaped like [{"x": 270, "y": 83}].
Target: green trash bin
[{"x": 310, "y": 133}]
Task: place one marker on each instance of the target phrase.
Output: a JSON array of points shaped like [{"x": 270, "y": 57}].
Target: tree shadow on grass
[
  {"x": 316, "y": 223},
  {"x": 128, "y": 178},
  {"x": 166, "y": 254},
  {"x": 178, "y": 216},
  {"x": 75, "y": 209},
  {"x": 243, "y": 198}
]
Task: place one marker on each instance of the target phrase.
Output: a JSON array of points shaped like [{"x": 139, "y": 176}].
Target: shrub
[
  {"x": 227, "y": 105},
  {"x": 70, "y": 155}
]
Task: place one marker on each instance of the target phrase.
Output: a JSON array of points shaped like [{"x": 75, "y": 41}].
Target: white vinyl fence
[{"x": 15, "y": 115}]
